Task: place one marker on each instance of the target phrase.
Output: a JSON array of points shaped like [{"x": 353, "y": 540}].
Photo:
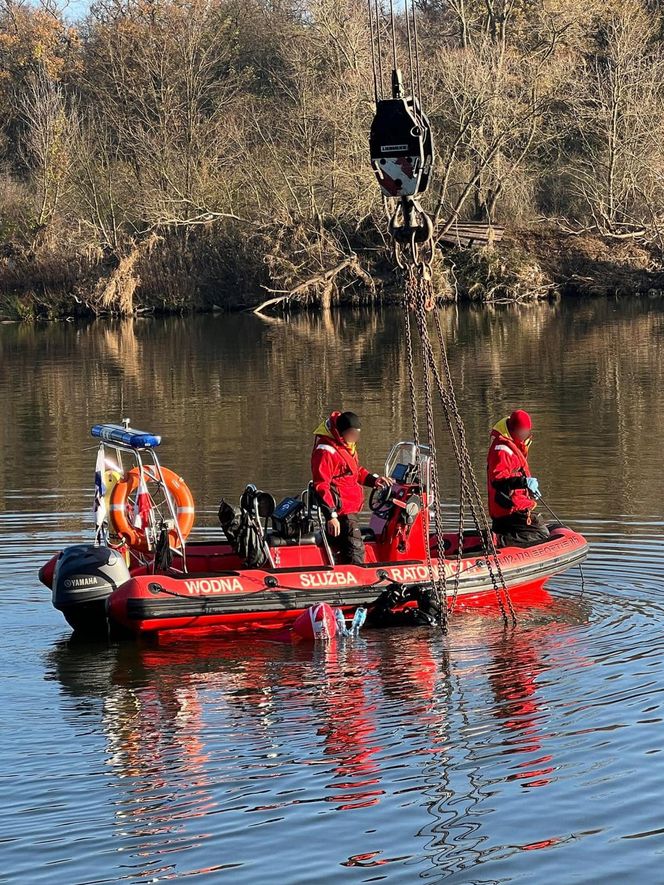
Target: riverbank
[{"x": 223, "y": 270}]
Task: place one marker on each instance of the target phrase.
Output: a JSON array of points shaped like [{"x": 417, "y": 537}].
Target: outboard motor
[{"x": 85, "y": 576}]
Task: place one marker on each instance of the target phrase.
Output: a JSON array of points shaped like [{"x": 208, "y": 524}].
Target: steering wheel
[{"x": 380, "y": 498}]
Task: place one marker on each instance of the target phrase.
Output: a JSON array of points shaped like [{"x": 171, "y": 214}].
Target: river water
[{"x": 491, "y": 755}]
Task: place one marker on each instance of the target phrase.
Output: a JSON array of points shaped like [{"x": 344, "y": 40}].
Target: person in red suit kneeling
[{"x": 513, "y": 491}]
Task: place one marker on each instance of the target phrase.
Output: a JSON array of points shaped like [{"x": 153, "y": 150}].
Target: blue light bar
[{"x": 125, "y": 436}]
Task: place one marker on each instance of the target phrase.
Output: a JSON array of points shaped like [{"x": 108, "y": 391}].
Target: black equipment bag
[
  {"x": 287, "y": 519},
  {"x": 242, "y": 535}
]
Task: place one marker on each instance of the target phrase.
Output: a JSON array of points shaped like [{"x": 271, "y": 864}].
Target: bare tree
[
  {"x": 490, "y": 110},
  {"x": 168, "y": 89},
  {"x": 47, "y": 141},
  {"x": 620, "y": 107}
]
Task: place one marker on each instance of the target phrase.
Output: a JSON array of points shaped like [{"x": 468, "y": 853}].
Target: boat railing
[{"x": 123, "y": 439}]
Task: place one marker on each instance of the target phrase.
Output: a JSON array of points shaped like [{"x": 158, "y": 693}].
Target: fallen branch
[
  {"x": 270, "y": 302},
  {"x": 324, "y": 279},
  {"x": 602, "y": 232},
  {"x": 626, "y": 235},
  {"x": 194, "y": 220}
]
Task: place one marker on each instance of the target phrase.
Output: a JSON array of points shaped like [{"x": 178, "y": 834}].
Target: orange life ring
[{"x": 121, "y": 520}]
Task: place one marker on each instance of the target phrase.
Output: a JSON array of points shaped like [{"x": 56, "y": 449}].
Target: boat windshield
[{"x": 406, "y": 461}]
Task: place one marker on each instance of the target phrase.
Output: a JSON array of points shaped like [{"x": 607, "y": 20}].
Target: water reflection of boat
[{"x": 178, "y": 715}]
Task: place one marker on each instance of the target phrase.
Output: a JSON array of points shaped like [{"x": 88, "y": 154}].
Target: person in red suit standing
[
  {"x": 513, "y": 491},
  {"x": 339, "y": 481}
]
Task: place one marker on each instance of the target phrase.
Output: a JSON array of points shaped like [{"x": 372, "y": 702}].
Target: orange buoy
[{"x": 121, "y": 515}]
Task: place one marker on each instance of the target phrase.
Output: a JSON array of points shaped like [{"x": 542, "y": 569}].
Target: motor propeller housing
[{"x": 85, "y": 576}]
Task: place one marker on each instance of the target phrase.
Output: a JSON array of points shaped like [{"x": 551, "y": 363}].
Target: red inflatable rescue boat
[{"x": 275, "y": 560}]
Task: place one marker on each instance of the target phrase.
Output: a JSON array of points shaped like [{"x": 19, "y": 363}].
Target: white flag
[{"x": 100, "y": 490}]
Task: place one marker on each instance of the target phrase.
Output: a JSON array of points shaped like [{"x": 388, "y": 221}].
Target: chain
[
  {"x": 412, "y": 234},
  {"x": 416, "y": 439},
  {"x": 457, "y": 435},
  {"x": 466, "y": 469},
  {"x": 420, "y": 298},
  {"x": 419, "y": 291},
  {"x": 445, "y": 402}
]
